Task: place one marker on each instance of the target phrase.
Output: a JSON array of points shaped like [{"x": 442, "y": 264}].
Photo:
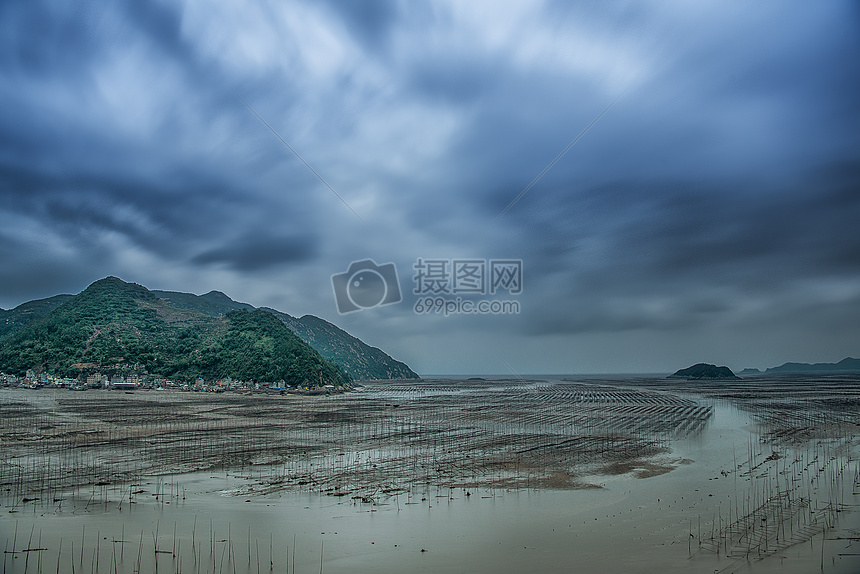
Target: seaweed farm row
[
  {"x": 384, "y": 436},
  {"x": 789, "y": 409}
]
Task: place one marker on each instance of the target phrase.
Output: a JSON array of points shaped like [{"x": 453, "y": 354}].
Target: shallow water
[{"x": 671, "y": 522}]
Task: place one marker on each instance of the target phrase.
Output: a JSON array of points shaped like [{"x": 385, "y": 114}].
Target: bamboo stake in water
[
  {"x": 29, "y": 541},
  {"x": 139, "y": 551}
]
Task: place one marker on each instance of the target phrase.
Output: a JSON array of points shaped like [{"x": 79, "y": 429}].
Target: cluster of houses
[{"x": 137, "y": 381}]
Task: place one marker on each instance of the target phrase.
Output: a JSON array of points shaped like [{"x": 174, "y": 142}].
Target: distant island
[
  {"x": 708, "y": 371},
  {"x": 704, "y": 371},
  {"x": 846, "y": 365}
]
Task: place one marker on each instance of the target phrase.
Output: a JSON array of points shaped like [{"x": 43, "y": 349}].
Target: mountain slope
[
  {"x": 358, "y": 359},
  {"x": 123, "y": 326},
  {"x": 214, "y": 303},
  {"x": 15, "y": 319},
  {"x": 258, "y": 347}
]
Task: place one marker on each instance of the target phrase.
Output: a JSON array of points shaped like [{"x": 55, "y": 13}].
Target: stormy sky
[{"x": 708, "y": 209}]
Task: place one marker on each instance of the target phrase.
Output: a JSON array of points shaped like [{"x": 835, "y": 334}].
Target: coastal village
[{"x": 142, "y": 381}]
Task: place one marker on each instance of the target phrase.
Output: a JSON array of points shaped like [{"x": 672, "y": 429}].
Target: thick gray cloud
[
  {"x": 258, "y": 252},
  {"x": 710, "y": 214},
  {"x": 369, "y": 22}
]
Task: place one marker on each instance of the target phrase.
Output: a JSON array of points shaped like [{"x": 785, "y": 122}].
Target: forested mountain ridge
[
  {"x": 122, "y": 326},
  {"x": 214, "y": 303},
  {"x": 13, "y": 320},
  {"x": 188, "y": 324},
  {"x": 353, "y": 355}
]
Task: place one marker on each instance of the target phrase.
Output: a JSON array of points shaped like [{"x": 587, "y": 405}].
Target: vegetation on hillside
[
  {"x": 16, "y": 319},
  {"x": 354, "y": 355},
  {"x": 214, "y": 303},
  {"x": 257, "y": 346},
  {"x": 123, "y": 326}
]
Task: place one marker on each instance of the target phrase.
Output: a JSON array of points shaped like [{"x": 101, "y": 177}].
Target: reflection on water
[{"x": 453, "y": 489}]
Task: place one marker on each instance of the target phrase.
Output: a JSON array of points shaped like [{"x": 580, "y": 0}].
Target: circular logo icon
[{"x": 366, "y": 288}]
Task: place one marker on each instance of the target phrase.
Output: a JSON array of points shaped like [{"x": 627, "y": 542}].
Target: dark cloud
[
  {"x": 161, "y": 23},
  {"x": 160, "y": 216},
  {"x": 27, "y": 273},
  {"x": 369, "y": 21},
  {"x": 659, "y": 255},
  {"x": 718, "y": 193},
  {"x": 460, "y": 81},
  {"x": 259, "y": 252},
  {"x": 43, "y": 37}
]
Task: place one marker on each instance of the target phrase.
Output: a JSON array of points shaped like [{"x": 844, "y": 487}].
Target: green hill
[
  {"x": 351, "y": 353},
  {"x": 358, "y": 359},
  {"x": 15, "y": 319},
  {"x": 214, "y": 303},
  {"x": 123, "y": 326}
]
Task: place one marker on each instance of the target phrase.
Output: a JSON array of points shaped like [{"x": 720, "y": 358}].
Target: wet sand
[{"x": 633, "y": 475}]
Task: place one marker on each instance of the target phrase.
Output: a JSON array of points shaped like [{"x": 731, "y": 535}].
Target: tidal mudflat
[{"x": 552, "y": 475}]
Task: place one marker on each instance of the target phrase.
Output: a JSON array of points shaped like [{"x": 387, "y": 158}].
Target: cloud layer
[{"x": 710, "y": 214}]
